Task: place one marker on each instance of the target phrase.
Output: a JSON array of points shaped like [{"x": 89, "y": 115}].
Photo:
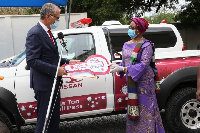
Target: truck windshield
[
  {"x": 79, "y": 46},
  {"x": 15, "y": 60},
  {"x": 19, "y": 58}
]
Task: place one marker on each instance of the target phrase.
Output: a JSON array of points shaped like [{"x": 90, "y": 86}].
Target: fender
[
  {"x": 8, "y": 101},
  {"x": 167, "y": 86}
]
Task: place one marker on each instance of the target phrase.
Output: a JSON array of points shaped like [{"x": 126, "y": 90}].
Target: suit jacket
[{"x": 42, "y": 56}]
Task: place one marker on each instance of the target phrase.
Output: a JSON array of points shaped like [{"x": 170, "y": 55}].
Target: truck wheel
[
  {"x": 183, "y": 111},
  {"x": 5, "y": 122}
]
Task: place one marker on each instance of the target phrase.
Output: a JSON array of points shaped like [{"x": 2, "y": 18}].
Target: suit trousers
[{"x": 43, "y": 98}]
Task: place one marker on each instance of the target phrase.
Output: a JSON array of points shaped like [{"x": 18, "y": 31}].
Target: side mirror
[
  {"x": 27, "y": 67},
  {"x": 116, "y": 55}
]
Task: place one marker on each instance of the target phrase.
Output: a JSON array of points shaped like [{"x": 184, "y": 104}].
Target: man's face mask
[{"x": 53, "y": 26}]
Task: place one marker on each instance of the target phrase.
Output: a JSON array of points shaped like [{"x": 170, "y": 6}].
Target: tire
[
  {"x": 183, "y": 111},
  {"x": 5, "y": 122}
]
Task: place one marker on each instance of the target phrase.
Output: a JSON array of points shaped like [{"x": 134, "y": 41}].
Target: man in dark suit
[{"x": 42, "y": 56}]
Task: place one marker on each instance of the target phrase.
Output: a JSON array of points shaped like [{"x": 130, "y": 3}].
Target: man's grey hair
[{"x": 48, "y": 8}]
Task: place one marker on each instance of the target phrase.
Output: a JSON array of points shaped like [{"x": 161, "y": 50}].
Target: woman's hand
[
  {"x": 113, "y": 65},
  {"x": 117, "y": 68},
  {"x": 74, "y": 61}
]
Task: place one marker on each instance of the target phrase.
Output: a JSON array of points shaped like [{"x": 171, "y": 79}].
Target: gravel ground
[
  {"x": 3, "y": 128},
  {"x": 104, "y": 124}
]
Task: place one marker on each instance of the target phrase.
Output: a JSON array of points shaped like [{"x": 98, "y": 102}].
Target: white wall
[
  {"x": 191, "y": 37},
  {"x": 13, "y": 30}
]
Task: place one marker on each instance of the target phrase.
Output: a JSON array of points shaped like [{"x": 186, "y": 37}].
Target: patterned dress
[{"x": 141, "y": 72}]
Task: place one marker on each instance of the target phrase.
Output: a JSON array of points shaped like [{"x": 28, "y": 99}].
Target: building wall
[
  {"x": 190, "y": 36},
  {"x": 14, "y": 29}
]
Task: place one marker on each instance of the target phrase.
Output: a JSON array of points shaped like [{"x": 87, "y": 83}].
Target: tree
[
  {"x": 19, "y": 10},
  {"x": 99, "y": 10},
  {"x": 189, "y": 16},
  {"x": 102, "y": 10},
  {"x": 163, "y": 14}
]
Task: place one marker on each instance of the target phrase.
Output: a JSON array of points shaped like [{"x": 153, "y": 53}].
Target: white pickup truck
[{"x": 177, "y": 70}]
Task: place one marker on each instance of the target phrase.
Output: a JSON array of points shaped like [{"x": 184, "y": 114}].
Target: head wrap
[{"x": 141, "y": 24}]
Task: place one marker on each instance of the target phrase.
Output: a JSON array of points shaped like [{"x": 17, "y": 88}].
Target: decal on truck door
[
  {"x": 71, "y": 83},
  {"x": 83, "y": 103},
  {"x": 68, "y": 105}
]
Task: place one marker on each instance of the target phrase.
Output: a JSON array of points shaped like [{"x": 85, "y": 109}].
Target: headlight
[{"x": 1, "y": 77}]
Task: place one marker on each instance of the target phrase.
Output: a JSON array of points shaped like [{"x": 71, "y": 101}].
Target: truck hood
[
  {"x": 6, "y": 62},
  {"x": 8, "y": 72}
]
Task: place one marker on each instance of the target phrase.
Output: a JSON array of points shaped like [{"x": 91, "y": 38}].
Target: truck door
[
  {"x": 81, "y": 95},
  {"x": 24, "y": 94}
]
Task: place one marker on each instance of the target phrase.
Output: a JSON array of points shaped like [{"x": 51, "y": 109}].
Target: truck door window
[
  {"x": 162, "y": 37},
  {"x": 118, "y": 38},
  {"x": 80, "y": 46}
]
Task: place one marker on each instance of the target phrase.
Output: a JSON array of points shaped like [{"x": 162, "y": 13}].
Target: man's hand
[
  {"x": 74, "y": 61},
  {"x": 198, "y": 84},
  {"x": 198, "y": 94},
  {"x": 61, "y": 71}
]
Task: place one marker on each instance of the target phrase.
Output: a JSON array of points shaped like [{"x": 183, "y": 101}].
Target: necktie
[{"x": 51, "y": 37}]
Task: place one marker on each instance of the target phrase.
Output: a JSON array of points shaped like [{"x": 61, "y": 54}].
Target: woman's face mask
[{"x": 131, "y": 33}]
